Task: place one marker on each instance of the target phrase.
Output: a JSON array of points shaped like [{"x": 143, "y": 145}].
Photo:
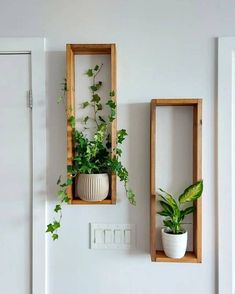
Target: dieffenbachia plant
[{"x": 175, "y": 212}]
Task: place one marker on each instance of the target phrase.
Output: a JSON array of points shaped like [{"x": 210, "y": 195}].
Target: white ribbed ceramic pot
[
  {"x": 174, "y": 245},
  {"x": 93, "y": 187}
]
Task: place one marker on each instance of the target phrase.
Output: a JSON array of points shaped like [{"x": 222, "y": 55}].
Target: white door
[{"x": 15, "y": 175}]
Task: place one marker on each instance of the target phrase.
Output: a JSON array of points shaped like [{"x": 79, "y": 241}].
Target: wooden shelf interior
[
  {"x": 88, "y": 49},
  {"x": 189, "y": 257},
  {"x": 196, "y": 255}
]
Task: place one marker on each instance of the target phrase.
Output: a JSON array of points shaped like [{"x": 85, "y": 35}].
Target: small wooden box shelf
[
  {"x": 88, "y": 49},
  {"x": 196, "y": 255}
]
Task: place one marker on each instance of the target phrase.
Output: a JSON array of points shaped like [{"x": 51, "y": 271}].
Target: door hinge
[{"x": 30, "y": 99}]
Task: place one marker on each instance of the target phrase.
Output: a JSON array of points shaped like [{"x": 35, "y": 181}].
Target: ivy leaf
[
  {"x": 69, "y": 182},
  {"x": 85, "y": 119},
  {"x": 57, "y": 208},
  {"x": 61, "y": 194},
  {"x": 118, "y": 151},
  {"x": 93, "y": 88},
  {"x": 59, "y": 99},
  {"x": 56, "y": 225},
  {"x": 112, "y": 94},
  {"x": 85, "y": 104},
  {"x": 96, "y": 67},
  {"x": 66, "y": 199},
  {"x": 121, "y": 135},
  {"x": 131, "y": 197},
  {"x": 50, "y": 228},
  {"x": 98, "y": 85},
  {"x": 72, "y": 121},
  {"x": 89, "y": 72},
  {"x": 111, "y": 104},
  {"x": 55, "y": 236},
  {"x": 101, "y": 119},
  {"x": 99, "y": 106},
  {"x": 95, "y": 98},
  {"x": 58, "y": 181}
]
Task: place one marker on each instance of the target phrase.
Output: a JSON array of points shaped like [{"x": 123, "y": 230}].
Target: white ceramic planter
[
  {"x": 93, "y": 187},
  {"x": 174, "y": 245}
]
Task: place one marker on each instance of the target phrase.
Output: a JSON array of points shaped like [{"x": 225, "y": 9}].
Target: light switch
[
  {"x": 99, "y": 236},
  {"x": 127, "y": 236},
  {"x": 118, "y": 236},
  {"x": 112, "y": 236},
  {"x": 108, "y": 236}
]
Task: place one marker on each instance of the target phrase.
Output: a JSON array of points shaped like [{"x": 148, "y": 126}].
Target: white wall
[{"x": 165, "y": 49}]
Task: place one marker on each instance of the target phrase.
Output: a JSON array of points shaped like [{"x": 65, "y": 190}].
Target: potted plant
[
  {"x": 92, "y": 158},
  {"x": 174, "y": 236}
]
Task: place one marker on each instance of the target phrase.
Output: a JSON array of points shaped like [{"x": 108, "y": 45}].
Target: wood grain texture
[
  {"x": 88, "y": 49},
  {"x": 196, "y": 255},
  {"x": 70, "y": 109},
  {"x": 114, "y": 123},
  {"x": 197, "y": 175},
  {"x": 82, "y": 202},
  {"x": 189, "y": 257},
  {"x": 175, "y": 102},
  {"x": 91, "y": 49},
  {"x": 153, "y": 196}
]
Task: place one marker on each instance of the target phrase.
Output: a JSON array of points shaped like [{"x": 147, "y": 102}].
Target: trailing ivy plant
[
  {"x": 175, "y": 212},
  {"x": 92, "y": 146}
]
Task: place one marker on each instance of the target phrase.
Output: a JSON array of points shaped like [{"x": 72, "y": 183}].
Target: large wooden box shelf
[
  {"x": 194, "y": 256},
  {"x": 88, "y": 49}
]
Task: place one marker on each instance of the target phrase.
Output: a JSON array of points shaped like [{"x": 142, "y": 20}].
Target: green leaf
[
  {"x": 56, "y": 225},
  {"x": 169, "y": 199},
  {"x": 164, "y": 213},
  {"x": 58, "y": 181},
  {"x": 101, "y": 119},
  {"x": 111, "y": 104},
  {"x": 93, "y": 88},
  {"x": 131, "y": 197},
  {"x": 121, "y": 135},
  {"x": 89, "y": 72},
  {"x": 166, "y": 207},
  {"x": 168, "y": 224},
  {"x": 99, "y": 106},
  {"x": 188, "y": 210},
  {"x": 69, "y": 169},
  {"x": 57, "y": 208},
  {"x": 69, "y": 182},
  {"x": 96, "y": 67},
  {"x": 72, "y": 121},
  {"x": 59, "y": 99},
  {"x": 85, "y": 104},
  {"x": 66, "y": 199},
  {"x": 191, "y": 193},
  {"x": 112, "y": 94},
  {"x": 118, "y": 151},
  {"x": 95, "y": 98},
  {"x": 85, "y": 119},
  {"x": 55, "y": 236},
  {"x": 50, "y": 228},
  {"x": 61, "y": 194},
  {"x": 98, "y": 85}
]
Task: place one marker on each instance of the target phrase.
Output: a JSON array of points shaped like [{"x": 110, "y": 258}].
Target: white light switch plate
[{"x": 112, "y": 236}]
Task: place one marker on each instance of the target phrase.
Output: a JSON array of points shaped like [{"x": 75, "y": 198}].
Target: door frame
[
  {"x": 226, "y": 164},
  {"x": 36, "y": 48}
]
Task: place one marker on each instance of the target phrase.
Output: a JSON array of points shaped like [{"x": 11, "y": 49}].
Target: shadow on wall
[
  {"x": 135, "y": 118},
  {"x": 56, "y": 121}
]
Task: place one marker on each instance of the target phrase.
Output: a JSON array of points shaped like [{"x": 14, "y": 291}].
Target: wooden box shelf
[
  {"x": 88, "y": 49},
  {"x": 194, "y": 256}
]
